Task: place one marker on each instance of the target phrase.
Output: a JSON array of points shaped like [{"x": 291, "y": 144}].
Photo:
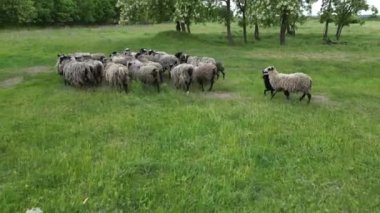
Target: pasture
[{"x": 97, "y": 150}]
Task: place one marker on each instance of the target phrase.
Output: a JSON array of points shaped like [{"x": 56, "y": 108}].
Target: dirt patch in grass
[
  {"x": 323, "y": 99},
  {"x": 222, "y": 95},
  {"x": 37, "y": 69},
  {"x": 11, "y": 82}
]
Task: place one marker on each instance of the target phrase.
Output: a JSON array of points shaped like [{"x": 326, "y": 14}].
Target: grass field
[{"x": 234, "y": 150}]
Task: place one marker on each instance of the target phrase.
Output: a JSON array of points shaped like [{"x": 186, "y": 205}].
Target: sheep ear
[{"x": 178, "y": 54}]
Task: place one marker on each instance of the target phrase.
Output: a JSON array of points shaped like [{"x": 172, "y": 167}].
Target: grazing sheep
[
  {"x": 294, "y": 82},
  {"x": 220, "y": 68},
  {"x": 268, "y": 87},
  {"x": 181, "y": 76},
  {"x": 149, "y": 74},
  {"x": 77, "y": 74},
  {"x": 205, "y": 73},
  {"x": 117, "y": 75}
]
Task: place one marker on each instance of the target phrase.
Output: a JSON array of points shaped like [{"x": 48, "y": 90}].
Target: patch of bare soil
[
  {"x": 11, "y": 82},
  {"x": 222, "y": 95},
  {"x": 322, "y": 99},
  {"x": 37, "y": 69}
]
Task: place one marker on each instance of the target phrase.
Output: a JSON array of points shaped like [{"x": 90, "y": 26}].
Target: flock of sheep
[
  {"x": 152, "y": 67},
  {"x": 147, "y": 66}
]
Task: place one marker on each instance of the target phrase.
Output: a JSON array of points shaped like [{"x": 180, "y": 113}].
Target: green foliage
[
  {"x": 47, "y": 12},
  {"x": 346, "y": 11},
  {"x": 17, "y": 12}
]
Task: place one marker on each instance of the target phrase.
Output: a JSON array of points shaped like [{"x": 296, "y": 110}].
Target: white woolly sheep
[
  {"x": 205, "y": 73},
  {"x": 290, "y": 83},
  {"x": 181, "y": 76},
  {"x": 117, "y": 75}
]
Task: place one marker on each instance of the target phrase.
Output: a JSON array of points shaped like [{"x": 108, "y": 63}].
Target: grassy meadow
[{"x": 231, "y": 150}]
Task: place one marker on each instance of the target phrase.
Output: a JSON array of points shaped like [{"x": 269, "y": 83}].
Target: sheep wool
[
  {"x": 205, "y": 73},
  {"x": 117, "y": 76},
  {"x": 290, "y": 83},
  {"x": 181, "y": 76},
  {"x": 149, "y": 74}
]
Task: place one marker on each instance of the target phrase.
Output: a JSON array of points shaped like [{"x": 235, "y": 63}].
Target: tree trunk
[
  {"x": 326, "y": 30},
  {"x": 284, "y": 24},
  {"x": 327, "y": 22},
  {"x": 244, "y": 28},
  {"x": 338, "y": 32},
  {"x": 228, "y": 22},
  {"x": 257, "y": 33},
  {"x": 188, "y": 27},
  {"x": 178, "y": 26},
  {"x": 183, "y": 26}
]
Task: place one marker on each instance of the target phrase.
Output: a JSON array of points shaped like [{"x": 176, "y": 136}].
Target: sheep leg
[
  {"x": 286, "y": 94},
  {"x": 223, "y": 74},
  {"x": 158, "y": 86},
  {"x": 203, "y": 89},
  {"x": 301, "y": 98},
  {"x": 309, "y": 97},
  {"x": 273, "y": 94},
  {"x": 126, "y": 88},
  {"x": 212, "y": 84}
]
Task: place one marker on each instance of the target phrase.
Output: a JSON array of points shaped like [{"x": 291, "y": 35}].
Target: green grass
[{"x": 230, "y": 150}]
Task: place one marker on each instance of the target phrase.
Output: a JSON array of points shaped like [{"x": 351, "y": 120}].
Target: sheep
[
  {"x": 267, "y": 85},
  {"x": 76, "y": 73},
  {"x": 98, "y": 56},
  {"x": 205, "y": 73},
  {"x": 121, "y": 59},
  {"x": 195, "y": 60},
  {"x": 181, "y": 76},
  {"x": 149, "y": 74},
  {"x": 294, "y": 82},
  {"x": 117, "y": 75},
  {"x": 168, "y": 62},
  {"x": 97, "y": 69}
]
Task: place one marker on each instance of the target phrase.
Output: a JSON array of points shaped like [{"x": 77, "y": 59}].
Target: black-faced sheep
[
  {"x": 267, "y": 85},
  {"x": 290, "y": 83},
  {"x": 181, "y": 76},
  {"x": 117, "y": 76}
]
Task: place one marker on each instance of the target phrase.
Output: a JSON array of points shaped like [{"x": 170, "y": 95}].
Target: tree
[
  {"x": 326, "y": 15},
  {"x": 242, "y": 6},
  {"x": 17, "y": 12},
  {"x": 187, "y": 12},
  {"x": 259, "y": 13},
  {"x": 347, "y": 13}
]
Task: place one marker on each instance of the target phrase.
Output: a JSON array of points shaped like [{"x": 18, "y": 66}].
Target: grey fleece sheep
[
  {"x": 168, "y": 62},
  {"x": 181, "y": 76},
  {"x": 289, "y": 83},
  {"x": 121, "y": 59},
  {"x": 205, "y": 73},
  {"x": 196, "y": 60},
  {"x": 77, "y": 74},
  {"x": 149, "y": 74},
  {"x": 117, "y": 76}
]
